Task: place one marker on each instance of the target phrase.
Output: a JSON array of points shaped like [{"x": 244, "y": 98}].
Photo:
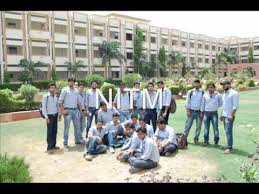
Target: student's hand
[
  {"x": 201, "y": 115},
  {"x": 130, "y": 151},
  {"x": 47, "y": 121},
  {"x": 232, "y": 116}
]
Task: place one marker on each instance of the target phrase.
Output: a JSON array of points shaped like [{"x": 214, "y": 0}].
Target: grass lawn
[{"x": 246, "y": 130}]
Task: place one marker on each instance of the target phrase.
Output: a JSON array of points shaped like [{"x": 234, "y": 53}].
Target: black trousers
[
  {"x": 151, "y": 115},
  {"x": 162, "y": 112},
  {"x": 52, "y": 129}
]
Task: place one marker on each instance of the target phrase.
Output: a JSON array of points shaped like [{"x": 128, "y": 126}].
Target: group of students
[{"x": 141, "y": 144}]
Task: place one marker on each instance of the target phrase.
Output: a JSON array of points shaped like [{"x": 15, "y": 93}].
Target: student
[
  {"x": 230, "y": 106},
  {"x": 165, "y": 138},
  {"x": 94, "y": 143},
  {"x": 148, "y": 157},
  {"x": 137, "y": 100},
  {"x": 50, "y": 112},
  {"x": 105, "y": 114},
  {"x": 112, "y": 131},
  {"x": 133, "y": 120},
  {"x": 90, "y": 104},
  {"x": 210, "y": 104},
  {"x": 82, "y": 114},
  {"x": 129, "y": 131},
  {"x": 166, "y": 101},
  {"x": 124, "y": 109},
  {"x": 150, "y": 130},
  {"x": 193, "y": 106},
  {"x": 69, "y": 101},
  {"x": 150, "y": 113}
]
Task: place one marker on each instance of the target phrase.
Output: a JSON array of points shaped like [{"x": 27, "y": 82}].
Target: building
[{"x": 57, "y": 37}]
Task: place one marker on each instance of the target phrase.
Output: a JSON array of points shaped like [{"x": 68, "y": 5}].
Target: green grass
[{"x": 246, "y": 131}]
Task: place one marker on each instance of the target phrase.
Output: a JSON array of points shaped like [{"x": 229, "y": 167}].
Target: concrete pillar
[{"x": 1, "y": 49}]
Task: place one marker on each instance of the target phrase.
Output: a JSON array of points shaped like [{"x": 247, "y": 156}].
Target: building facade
[{"x": 57, "y": 37}]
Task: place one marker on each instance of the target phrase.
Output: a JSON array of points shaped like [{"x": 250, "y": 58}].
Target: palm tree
[
  {"x": 73, "y": 68},
  {"x": 109, "y": 51},
  {"x": 175, "y": 57},
  {"x": 227, "y": 57},
  {"x": 29, "y": 69}
]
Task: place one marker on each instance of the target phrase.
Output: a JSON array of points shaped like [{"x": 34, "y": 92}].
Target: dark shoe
[
  {"x": 196, "y": 141},
  {"x": 206, "y": 143},
  {"x": 167, "y": 154},
  {"x": 56, "y": 148},
  {"x": 66, "y": 146},
  {"x": 50, "y": 151},
  {"x": 134, "y": 170}
]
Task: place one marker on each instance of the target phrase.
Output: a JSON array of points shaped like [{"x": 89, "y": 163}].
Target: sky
[{"x": 217, "y": 24}]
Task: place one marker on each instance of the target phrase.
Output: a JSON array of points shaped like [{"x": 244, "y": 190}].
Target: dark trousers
[
  {"x": 151, "y": 114},
  {"x": 167, "y": 114},
  {"x": 92, "y": 114},
  {"x": 171, "y": 148},
  {"x": 52, "y": 129}
]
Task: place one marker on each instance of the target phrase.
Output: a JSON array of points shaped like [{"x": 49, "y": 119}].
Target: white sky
[{"x": 217, "y": 24}]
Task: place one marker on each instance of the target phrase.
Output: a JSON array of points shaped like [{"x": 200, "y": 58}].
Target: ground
[{"x": 28, "y": 139}]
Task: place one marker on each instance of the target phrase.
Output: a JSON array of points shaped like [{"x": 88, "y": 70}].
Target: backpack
[
  {"x": 172, "y": 106},
  {"x": 40, "y": 108},
  {"x": 192, "y": 93},
  {"x": 181, "y": 141}
]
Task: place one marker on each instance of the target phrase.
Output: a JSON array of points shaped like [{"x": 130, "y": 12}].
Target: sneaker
[
  {"x": 228, "y": 151},
  {"x": 206, "y": 143},
  {"x": 196, "y": 141},
  {"x": 88, "y": 157},
  {"x": 56, "y": 148},
  {"x": 50, "y": 151},
  {"x": 134, "y": 170},
  {"x": 167, "y": 154},
  {"x": 66, "y": 146},
  {"x": 111, "y": 149}
]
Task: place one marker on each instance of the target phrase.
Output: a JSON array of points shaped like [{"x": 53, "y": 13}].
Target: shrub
[
  {"x": 8, "y": 92},
  {"x": 94, "y": 77},
  {"x": 249, "y": 173},
  {"x": 11, "y": 86},
  {"x": 115, "y": 82},
  {"x": 143, "y": 85},
  {"x": 187, "y": 88},
  {"x": 105, "y": 90},
  {"x": 61, "y": 84},
  {"x": 250, "y": 83},
  {"x": 175, "y": 89},
  {"x": 241, "y": 87},
  {"x": 14, "y": 170},
  {"x": 8, "y": 104},
  {"x": 18, "y": 96},
  {"x": 42, "y": 85},
  {"x": 219, "y": 88},
  {"x": 28, "y": 91},
  {"x": 130, "y": 78}
]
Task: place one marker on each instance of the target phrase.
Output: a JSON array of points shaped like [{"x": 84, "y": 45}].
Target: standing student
[
  {"x": 210, "y": 104},
  {"x": 166, "y": 100},
  {"x": 193, "y": 106},
  {"x": 137, "y": 100},
  {"x": 82, "y": 110},
  {"x": 69, "y": 100},
  {"x": 230, "y": 106},
  {"x": 124, "y": 109},
  {"x": 50, "y": 112}
]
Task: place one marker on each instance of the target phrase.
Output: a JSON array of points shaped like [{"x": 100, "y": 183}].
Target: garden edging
[{"x": 17, "y": 116}]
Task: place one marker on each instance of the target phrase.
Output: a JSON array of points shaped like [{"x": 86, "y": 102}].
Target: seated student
[
  {"x": 148, "y": 157},
  {"x": 133, "y": 120},
  {"x": 105, "y": 114},
  {"x": 94, "y": 143},
  {"x": 165, "y": 138},
  {"x": 114, "y": 136},
  {"x": 150, "y": 130},
  {"x": 128, "y": 131}
]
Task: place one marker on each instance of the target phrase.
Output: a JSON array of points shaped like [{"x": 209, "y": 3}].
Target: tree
[
  {"x": 250, "y": 56},
  {"x": 29, "y": 69},
  {"x": 175, "y": 57},
  {"x": 184, "y": 69},
  {"x": 162, "y": 61},
  {"x": 7, "y": 77},
  {"x": 109, "y": 51},
  {"x": 227, "y": 57},
  {"x": 73, "y": 68},
  {"x": 53, "y": 73},
  {"x": 138, "y": 54}
]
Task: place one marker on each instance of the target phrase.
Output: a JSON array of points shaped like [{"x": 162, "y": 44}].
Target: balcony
[
  {"x": 80, "y": 39},
  {"x": 61, "y": 37},
  {"x": 243, "y": 53},
  {"x": 43, "y": 59},
  {"x": 14, "y": 59},
  {"x": 200, "y": 51},
  {"x": 207, "y": 52},
  {"x": 129, "y": 25},
  {"x": 84, "y": 60},
  {"x": 129, "y": 43},
  {"x": 97, "y": 61},
  {"x": 192, "y": 50},
  {"x": 14, "y": 33},
  {"x": 61, "y": 15},
  {"x": 153, "y": 46},
  {"x": 39, "y": 34},
  {"x": 80, "y": 17},
  {"x": 98, "y": 39},
  {"x": 13, "y": 16},
  {"x": 61, "y": 60},
  {"x": 115, "y": 62}
]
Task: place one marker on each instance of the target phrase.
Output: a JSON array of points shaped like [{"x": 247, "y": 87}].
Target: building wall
[{"x": 242, "y": 67}]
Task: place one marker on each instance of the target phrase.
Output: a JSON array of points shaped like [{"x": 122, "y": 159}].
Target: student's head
[
  {"x": 161, "y": 123},
  {"x": 99, "y": 124},
  {"x": 142, "y": 131},
  {"x": 160, "y": 84},
  {"x": 137, "y": 85},
  {"x": 71, "y": 81},
  {"x": 94, "y": 84},
  {"x": 115, "y": 117},
  {"x": 226, "y": 84},
  {"x": 211, "y": 87},
  {"x": 122, "y": 87},
  {"x": 134, "y": 119},
  {"x": 129, "y": 129},
  {"x": 52, "y": 88},
  {"x": 142, "y": 121},
  {"x": 150, "y": 86},
  {"x": 76, "y": 85},
  {"x": 196, "y": 83},
  {"x": 103, "y": 106},
  {"x": 81, "y": 87}
]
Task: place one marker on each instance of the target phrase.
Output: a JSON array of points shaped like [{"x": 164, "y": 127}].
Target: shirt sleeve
[
  {"x": 187, "y": 103},
  {"x": 171, "y": 137},
  {"x": 168, "y": 97},
  {"x": 148, "y": 151},
  {"x": 235, "y": 101},
  {"x": 115, "y": 99},
  {"x": 151, "y": 132},
  {"x": 91, "y": 132},
  {"x": 203, "y": 104},
  {"x": 86, "y": 99},
  {"x": 62, "y": 96},
  {"x": 156, "y": 133},
  {"x": 134, "y": 142},
  {"x": 44, "y": 107}
]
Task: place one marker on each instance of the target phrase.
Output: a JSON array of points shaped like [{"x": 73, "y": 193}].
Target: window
[
  {"x": 144, "y": 38},
  {"x": 98, "y": 33},
  {"x": 153, "y": 57},
  {"x": 199, "y": 60},
  {"x": 164, "y": 41},
  {"x": 114, "y": 35},
  {"x": 61, "y": 52},
  {"x": 153, "y": 39},
  {"x": 39, "y": 26},
  {"x": 128, "y": 36},
  {"x": 256, "y": 47},
  {"x": 233, "y": 49},
  {"x": 12, "y": 50},
  {"x": 39, "y": 51},
  {"x": 183, "y": 43},
  {"x": 129, "y": 55},
  {"x": 192, "y": 44},
  {"x": 213, "y": 61},
  {"x": 60, "y": 29},
  {"x": 174, "y": 42},
  {"x": 207, "y": 47},
  {"x": 80, "y": 31},
  {"x": 244, "y": 48},
  {"x": 81, "y": 53},
  {"x": 206, "y": 60},
  {"x": 213, "y": 48},
  {"x": 244, "y": 61},
  {"x": 97, "y": 54},
  {"x": 199, "y": 45},
  {"x": 13, "y": 23},
  {"x": 192, "y": 59},
  {"x": 115, "y": 74}
]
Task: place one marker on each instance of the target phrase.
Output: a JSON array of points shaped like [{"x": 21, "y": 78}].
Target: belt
[
  {"x": 71, "y": 108},
  {"x": 151, "y": 109},
  {"x": 195, "y": 110},
  {"x": 52, "y": 114}
]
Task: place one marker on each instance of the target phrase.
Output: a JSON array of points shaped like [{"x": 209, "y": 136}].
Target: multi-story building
[{"x": 57, "y": 37}]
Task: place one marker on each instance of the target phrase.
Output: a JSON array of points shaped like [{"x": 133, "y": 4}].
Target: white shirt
[{"x": 230, "y": 102}]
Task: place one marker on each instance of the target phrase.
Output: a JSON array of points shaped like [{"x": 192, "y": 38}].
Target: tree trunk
[{"x": 170, "y": 70}]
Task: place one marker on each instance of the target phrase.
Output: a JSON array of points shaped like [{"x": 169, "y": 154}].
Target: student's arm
[
  {"x": 168, "y": 99},
  {"x": 44, "y": 107},
  {"x": 187, "y": 103},
  {"x": 220, "y": 100},
  {"x": 115, "y": 101},
  {"x": 235, "y": 104},
  {"x": 61, "y": 100},
  {"x": 86, "y": 100}
]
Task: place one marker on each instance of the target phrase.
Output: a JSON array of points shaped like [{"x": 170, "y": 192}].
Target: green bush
[
  {"x": 241, "y": 87},
  {"x": 11, "y": 86},
  {"x": 115, "y": 82},
  {"x": 42, "y": 85},
  {"x": 143, "y": 85},
  {"x": 14, "y": 170},
  {"x": 175, "y": 89},
  {"x": 238, "y": 82},
  {"x": 187, "y": 88},
  {"x": 105, "y": 90},
  {"x": 8, "y": 104},
  {"x": 250, "y": 83},
  {"x": 94, "y": 77},
  {"x": 18, "y": 96},
  {"x": 8, "y": 92},
  {"x": 130, "y": 78},
  {"x": 28, "y": 91},
  {"x": 249, "y": 173}
]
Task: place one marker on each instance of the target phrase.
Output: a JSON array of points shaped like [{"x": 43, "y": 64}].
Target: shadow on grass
[
  {"x": 77, "y": 148},
  {"x": 220, "y": 147}
]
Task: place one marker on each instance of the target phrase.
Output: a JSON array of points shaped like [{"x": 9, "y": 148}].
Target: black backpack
[
  {"x": 40, "y": 108},
  {"x": 173, "y": 105},
  {"x": 181, "y": 141}
]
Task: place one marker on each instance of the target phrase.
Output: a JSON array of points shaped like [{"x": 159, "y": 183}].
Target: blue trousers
[
  {"x": 52, "y": 129},
  {"x": 211, "y": 117},
  {"x": 151, "y": 115},
  {"x": 228, "y": 126},
  {"x": 195, "y": 115},
  {"x": 94, "y": 148}
]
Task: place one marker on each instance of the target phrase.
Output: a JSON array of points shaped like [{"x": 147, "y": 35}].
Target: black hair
[
  {"x": 197, "y": 81},
  {"x": 52, "y": 84},
  {"x": 122, "y": 84},
  {"x": 102, "y": 103},
  {"x": 134, "y": 116},
  {"x": 161, "y": 121},
  {"x": 151, "y": 83},
  {"x": 211, "y": 84},
  {"x": 71, "y": 79},
  {"x": 142, "y": 129},
  {"x": 160, "y": 82},
  {"x": 94, "y": 81},
  {"x": 99, "y": 121},
  {"x": 135, "y": 83},
  {"x": 129, "y": 125},
  {"x": 115, "y": 115},
  {"x": 141, "y": 119},
  {"x": 81, "y": 84}
]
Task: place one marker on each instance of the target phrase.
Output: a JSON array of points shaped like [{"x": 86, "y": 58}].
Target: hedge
[
  {"x": 114, "y": 82},
  {"x": 11, "y": 86},
  {"x": 175, "y": 89},
  {"x": 105, "y": 90},
  {"x": 42, "y": 85},
  {"x": 8, "y": 104}
]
